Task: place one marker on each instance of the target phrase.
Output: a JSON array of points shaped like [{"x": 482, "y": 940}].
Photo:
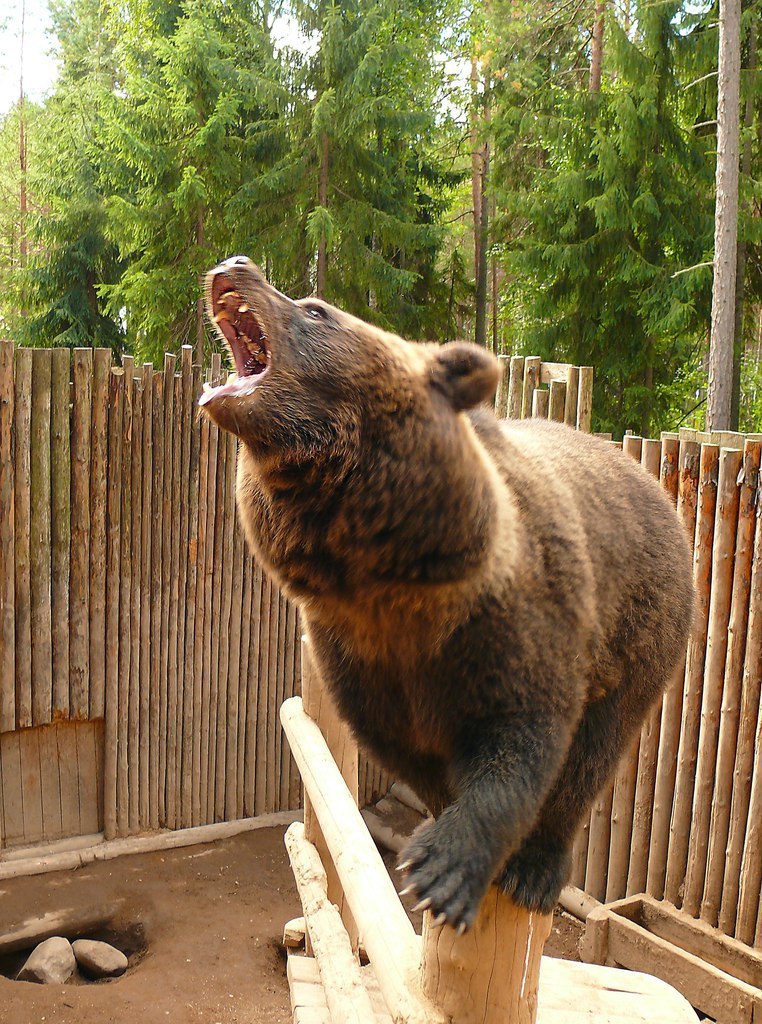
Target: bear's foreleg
[{"x": 502, "y": 776}]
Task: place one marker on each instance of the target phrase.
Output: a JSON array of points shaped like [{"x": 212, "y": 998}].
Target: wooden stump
[{"x": 491, "y": 974}]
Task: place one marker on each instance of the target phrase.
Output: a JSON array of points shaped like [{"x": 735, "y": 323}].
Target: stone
[
  {"x": 99, "y": 959},
  {"x": 52, "y": 962}
]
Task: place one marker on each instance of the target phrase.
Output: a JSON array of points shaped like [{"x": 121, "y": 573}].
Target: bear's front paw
[
  {"x": 445, "y": 872},
  {"x": 535, "y": 876}
]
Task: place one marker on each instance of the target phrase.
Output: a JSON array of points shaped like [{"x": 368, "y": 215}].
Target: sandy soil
[{"x": 202, "y": 927}]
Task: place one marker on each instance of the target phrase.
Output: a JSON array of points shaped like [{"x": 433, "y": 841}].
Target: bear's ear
[{"x": 465, "y": 373}]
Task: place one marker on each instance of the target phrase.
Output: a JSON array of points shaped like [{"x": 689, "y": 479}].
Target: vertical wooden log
[
  {"x": 714, "y": 668},
  {"x": 60, "y": 533},
  {"x": 215, "y": 618},
  {"x": 668, "y": 468},
  {"x": 200, "y": 626},
  {"x": 751, "y": 862},
  {"x": 731, "y": 685},
  {"x": 125, "y": 608},
  {"x": 79, "y": 610},
  {"x": 99, "y": 436},
  {"x": 669, "y": 730},
  {"x": 596, "y": 867},
  {"x": 500, "y": 956},
  {"x": 7, "y": 545},
  {"x": 645, "y": 771},
  {"x": 682, "y": 805},
  {"x": 632, "y": 445},
  {"x": 208, "y": 664},
  {"x": 501, "y": 395},
  {"x": 174, "y": 705},
  {"x": 252, "y": 708},
  {"x": 260, "y": 792},
  {"x": 243, "y": 674},
  {"x": 157, "y": 561},
  {"x": 572, "y": 395},
  {"x": 272, "y": 698},
  {"x": 191, "y": 583},
  {"x": 40, "y": 539},
  {"x": 515, "y": 387},
  {"x": 146, "y": 608},
  {"x": 225, "y": 612},
  {"x": 540, "y": 403},
  {"x": 740, "y": 819},
  {"x": 585, "y": 399},
  {"x": 557, "y": 401},
  {"x": 167, "y": 506},
  {"x": 113, "y": 552},
  {"x": 531, "y": 381},
  {"x": 183, "y": 493},
  {"x": 579, "y": 854},
  {"x": 133, "y": 716},
  {"x": 622, "y": 808},
  {"x": 22, "y": 538},
  {"x": 234, "y": 674}
]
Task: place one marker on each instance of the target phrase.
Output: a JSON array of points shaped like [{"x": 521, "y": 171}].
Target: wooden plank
[
  {"x": 60, "y": 531},
  {"x": 157, "y": 499},
  {"x": 183, "y": 668},
  {"x": 212, "y": 525},
  {"x": 200, "y": 625},
  {"x": 191, "y": 583},
  {"x": 7, "y": 544},
  {"x": 714, "y": 672},
  {"x": 234, "y": 678},
  {"x": 550, "y": 372},
  {"x": 136, "y": 573},
  {"x": 225, "y": 608},
  {"x": 289, "y": 668},
  {"x": 572, "y": 396},
  {"x": 727, "y": 738},
  {"x": 125, "y": 608},
  {"x": 744, "y": 756},
  {"x": 67, "y": 758},
  {"x": 146, "y": 606},
  {"x": 501, "y": 395},
  {"x": 672, "y": 703},
  {"x": 263, "y": 693},
  {"x": 39, "y": 547},
  {"x": 515, "y": 387},
  {"x": 596, "y": 867},
  {"x": 531, "y": 381},
  {"x": 50, "y": 783},
  {"x": 97, "y": 533},
  {"x": 557, "y": 399},
  {"x": 79, "y": 609},
  {"x": 166, "y": 581},
  {"x": 243, "y": 673},
  {"x": 273, "y": 706},
  {"x": 22, "y": 533},
  {"x": 11, "y": 777},
  {"x": 89, "y": 740},
  {"x": 113, "y": 556},
  {"x": 29, "y": 750},
  {"x": 622, "y": 806},
  {"x": 281, "y": 797},
  {"x": 677, "y": 856},
  {"x": 585, "y": 399}
]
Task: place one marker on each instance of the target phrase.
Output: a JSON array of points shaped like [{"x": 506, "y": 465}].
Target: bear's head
[{"x": 343, "y": 423}]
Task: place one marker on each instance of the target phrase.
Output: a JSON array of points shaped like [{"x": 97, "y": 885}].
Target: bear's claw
[{"x": 535, "y": 876}]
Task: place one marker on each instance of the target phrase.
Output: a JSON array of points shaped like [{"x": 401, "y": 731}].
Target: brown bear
[{"x": 493, "y": 606}]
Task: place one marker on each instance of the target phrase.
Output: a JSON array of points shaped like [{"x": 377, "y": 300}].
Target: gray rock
[
  {"x": 99, "y": 959},
  {"x": 50, "y": 963}
]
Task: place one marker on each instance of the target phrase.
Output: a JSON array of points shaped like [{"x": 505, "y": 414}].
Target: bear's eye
[{"x": 316, "y": 312}]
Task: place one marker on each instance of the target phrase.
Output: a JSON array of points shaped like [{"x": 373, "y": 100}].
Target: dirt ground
[{"x": 202, "y": 927}]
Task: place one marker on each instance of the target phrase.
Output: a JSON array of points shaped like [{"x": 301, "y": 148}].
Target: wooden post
[
  {"x": 39, "y": 546},
  {"x": 515, "y": 384},
  {"x": 125, "y": 608},
  {"x": 572, "y": 395},
  {"x": 22, "y": 528},
  {"x": 146, "y": 607},
  {"x": 531, "y": 381},
  {"x": 60, "y": 529},
  {"x": 491, "y": 974},
  {"x": 79, "y": 611},
  {"x": 557, "y": 402},
  {"x": 7, "y": 544},
  {"x": 749, "y": 901},
  {"x": 157, "y": 498},
  {"x": 99, "y": 433},
  {"x": 714, "y": 670},
  {"x": 190, "y": 727},
  {"x": 585, "y": 399},
  {"x": 136, "y": 572},
  {"x": 731, "y": 686},
  {"x": 167, "y": 504},
  {"x": 501, "y": 395},
  {"x": 680, "y": 825},
  {"x": 540, "y": 402}
]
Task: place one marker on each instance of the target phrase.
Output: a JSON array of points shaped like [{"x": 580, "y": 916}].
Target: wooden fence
[
  {"x": 551, "y": 391},
  {"x": 682, "y": 818}
]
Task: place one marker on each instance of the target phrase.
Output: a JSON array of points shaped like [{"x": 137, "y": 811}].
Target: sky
[{"x": 39, "y": 66}]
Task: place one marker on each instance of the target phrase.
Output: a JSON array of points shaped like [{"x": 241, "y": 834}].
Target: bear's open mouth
[{"x": 244, "y": 334}]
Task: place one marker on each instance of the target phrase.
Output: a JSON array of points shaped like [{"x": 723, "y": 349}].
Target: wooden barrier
[{"x": 555, "y": 391}]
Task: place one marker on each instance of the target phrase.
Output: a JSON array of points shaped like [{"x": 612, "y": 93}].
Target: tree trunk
[
  {"x": 494, "y": 297},
  {"x": 738, "y": 346},
  {"x": 482, "y": 276},
  {"x": 322, "y": 257},
  {"x": 22, "y": 151},
  {"x": 476, "y": 166},
  {"x": 718, "y": 412},
  {"x": 596, "y": 54}
]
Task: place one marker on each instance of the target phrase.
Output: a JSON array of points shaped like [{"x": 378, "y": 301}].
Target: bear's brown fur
[{"x": 494, "y": 606}]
